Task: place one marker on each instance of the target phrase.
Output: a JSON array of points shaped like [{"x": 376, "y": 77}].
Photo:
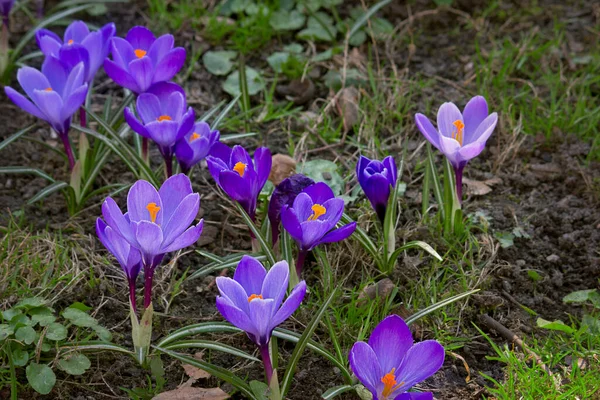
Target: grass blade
[
  {"x": 336, "y": 391},
  {"x": 437, "y": 306},
  {"x": 416, "y": 244},
  {"x": 218, "y": 266},
  {"x": 363, "y": 19},
  {"x": 286, "y": 382},
  {"x": 366, "y": 241},
  {"x": 196, "y": 329},
  {"x": 93, "y": 346},
  {"x": 26, "y": 170},
  {"x": 225, "y": 111},
  {"x": 212, "y": 345},
  {"x": 435, "y": 180},
  {"x": 47, "y": 191},
  {"x": 15, "y": 136},
  {"x": 257, "y": 234}
]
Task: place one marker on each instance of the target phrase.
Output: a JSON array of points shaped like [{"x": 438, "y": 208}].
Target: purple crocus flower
[
  {"x": 460, "y": 137},
  {"x": 390, "y": 363},
  {"x": 156, "y": 222},
  {"x": 128, "y": 257},
  {"x": 195, "y": 146},
  {"x": 253, "y": 301},
  {"x": 141, "y": 60},
  {"x": 54, "y": 96},
  {"x": 377, "y": 179},
  {"x": 78, "y": 45},
  {"x": 237, "y": 175},
  {"x": 165, "y": 118},
  {"x": 284, "y": 194},
  {"x": 5, "y": 7},
  {"x": 311, "y": 219}
]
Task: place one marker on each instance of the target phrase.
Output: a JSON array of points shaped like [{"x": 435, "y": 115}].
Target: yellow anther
[
  {"x": 389, "y": 384},
  {"x": 317, "y": 210},
  {"x": 139, "y": 53},
  {"x": 255, "y": 296},
  {"x": 194, "y": 137},
  {"x": 164, "y": 118},
  {"x": 460, "y": 127},
  {"x": 49, "y": 89},
  {"x": 153, "y": 209},
  {"x": 240, "y": 168},
  {"x": 70, "y": 41}
]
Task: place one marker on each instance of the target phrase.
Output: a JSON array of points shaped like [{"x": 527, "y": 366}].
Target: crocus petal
[
  {"x": 94, "y": 43},
  {"x": 116, "y": 220},
  {"x": 290, "y": 304},
  {"x": 221, "y": 151},
  {"x": 334, "y": 209},
  {"x": 390, "y": 165},
  {"x": 263, "y": 163},
  {"x": 186, "y": 124},
  {"x": 122, "y": 52},
  {"x": 23, "y": 103},
  {"x": 72, "y": 55},
  {"x": 485, "y": 129},
  {"x": 140, "y": 38},
  {"x": 377, "y": 190},
  {"x": 239, "y": 154},
  {"x": 215, "y": 166},
  {"x": 136, "y": 125},
  {"x": 474, "y": 113},
  {"x": 234, "y": 292},
  {"x": 250, "y": 273},
  {"x": 160, "y": 48},
  {"x": 290, "y": 223},
  {"x": 186, "y": 239},
  {"x": 169, "y": 65},
  {"x": 261, "y": 312},
  {"x": 446, "y": 116},
  {"x": 361, "y": 164},
  {"x": 276, "y": 282},
  {"x": 320, "y": 192},
  {"x": 31, "y": 79},
  {"x": 76, "y": 31},
  {"x": 427, "y": 129},
  {"x": 181, "y": 218},
  {"x": 51, "y": 104},
  {"x": 141, "y": 194},
  {"x": 164, "y": 133},
  {"x": 421, "y": 361},
  {"x": 365, "y": 366},
  {"x": 470, "y": 151},
  {"x": 450, "y": 148},
  {"x": 48, "y": 42},
  {"x": 173, "y": 105},
  {"x": 148, "y": 107},
  {"x": 149, "y": 236},
  {"x": 142, "y": 71},
  {"x": 120, "y": 76},
  {"x": 337, "y": 235},
  {"x": 235, "y": 186},
  {"x": 75, "y": 80},
  {"x": 303, "y": 206},
  {"x": 73, "y": 102},
  {"x": 390, "y": 341},
  {"x": 313, "y": 232},
  {"x": 164, "y": 89},
  {"x": 172, "y": 193},
  {"x": 415, "y": 396},
  {"x": 235, "y": 316}
]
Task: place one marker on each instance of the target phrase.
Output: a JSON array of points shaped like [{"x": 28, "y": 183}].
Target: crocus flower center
[
  {"x": 240, "y": 168},
  {"x": 255, "y": 296},
  {"x": 389, "y": 383},
  {"x": 194, "y": 137},
  {"x": 139, "y": 53},
  {"x": 153, "y": 209},
  {"x": 164, "y": 118},
  {"x": 458, "y": 135},
  {"x": 70, "y": 41},
  {"x": 48, "y": 89},
  {"x": 318, "y": 210}
]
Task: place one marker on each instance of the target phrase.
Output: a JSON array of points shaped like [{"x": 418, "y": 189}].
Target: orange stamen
[
  {"x": 70, "y": 41},
  {"x": 153, "y": 209},
  {"x": 163, "y": 118},
  {"x": 318, "y": 210},
  {"x": 389, "y": 383},
  {"x": 458, "y": 135},
  {"x": 194, "y": 137},
  {"x": 255, "y": 296},
  {"x": 240, "y": 168},
  {"x": 48, "y": 89},
  {"x": 139, "y": 53}
]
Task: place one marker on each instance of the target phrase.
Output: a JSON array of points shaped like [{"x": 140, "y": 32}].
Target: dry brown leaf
[
  {"x": 381, "y": 290},
  {"x": 193, "y": 393},
  {"x": 283, "y": 167},
  {"x": 194, "y": 372},
  {"x": 347, "y": 107},
  {"x": 480, "y": 188}
]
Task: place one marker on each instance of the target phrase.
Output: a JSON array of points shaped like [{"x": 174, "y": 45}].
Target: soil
[{"x": 546, "y": 189}]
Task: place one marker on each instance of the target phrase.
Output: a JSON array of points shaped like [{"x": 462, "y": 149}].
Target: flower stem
[
  {"x": 266, "y": 357},
  {"x": 82, "y": 117},
  {"x": 145, "y": 150},
  {"x": 300, "y": 262},
  {"x": 149, "y": 276},
  {"x": 458, "y": 172},
  {"x": 68, "y": 149},
  {"x": 132, "y": 294}
]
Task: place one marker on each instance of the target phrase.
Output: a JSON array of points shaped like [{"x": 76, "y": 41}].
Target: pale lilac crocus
[
  {"x": 390, "y": 364},
  {"x": 459, "y": 136},
  {"x": 253, "y": 301}
]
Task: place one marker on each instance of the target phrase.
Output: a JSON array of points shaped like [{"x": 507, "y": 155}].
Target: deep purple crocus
[
  {"x": 311, "y": 220},
  {"x": 284, "y": 194},
  {"x": 156, "y": 222},
  {"x": 377, "y": 179},
  {"x": 78, "y": 45},
  {"x": 391, "y": 363},
  {"x": 54, "y": 96},
  {"x": 195, "y": 146},
  {"x": 460, "y": 137},
  {"x": 141, "y": 60},
  {"x": 5, "y": 7},
  {"x": 236, "y": 173},
  {"x": 128, "y": 257},
  {"x": 253, "y": 301},
  {"x": 165, "y": 118}
]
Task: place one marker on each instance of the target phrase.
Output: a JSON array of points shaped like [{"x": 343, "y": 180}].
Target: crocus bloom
[
  {"x": 128, "y": 257},
  {"x": 311, "y": 220},
  {"x": 284, "y": 194},
  {"x": 5, "y": 7},
  {"x": 54, "y": 96},
  {"x": 164, "y": 118},
  {"x": 141, "y": 60},
  {"x": 195, "y": 146},
  {"x": 460, "y": 137},
  {"x": 377, "y": 179},
  {"x": 237, "y": 175},
  {"x": 156, "y": 222},
  {"x": 390, "y": 363},
  {"x": 78, "y": 45},
  {"x": 253, "y": 301}
]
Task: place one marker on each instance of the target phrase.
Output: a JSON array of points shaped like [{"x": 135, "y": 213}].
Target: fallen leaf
[
  {"x": 193, "y": 393},
  {"x": 283, "y": 166},
  {"x": 300, "y": 91},
  {"x": 381, "y": 290},
  {"x": 194, "y": 372},
  {"x": 347, "y": 107},
  {"x": 480, "y": 188}
]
